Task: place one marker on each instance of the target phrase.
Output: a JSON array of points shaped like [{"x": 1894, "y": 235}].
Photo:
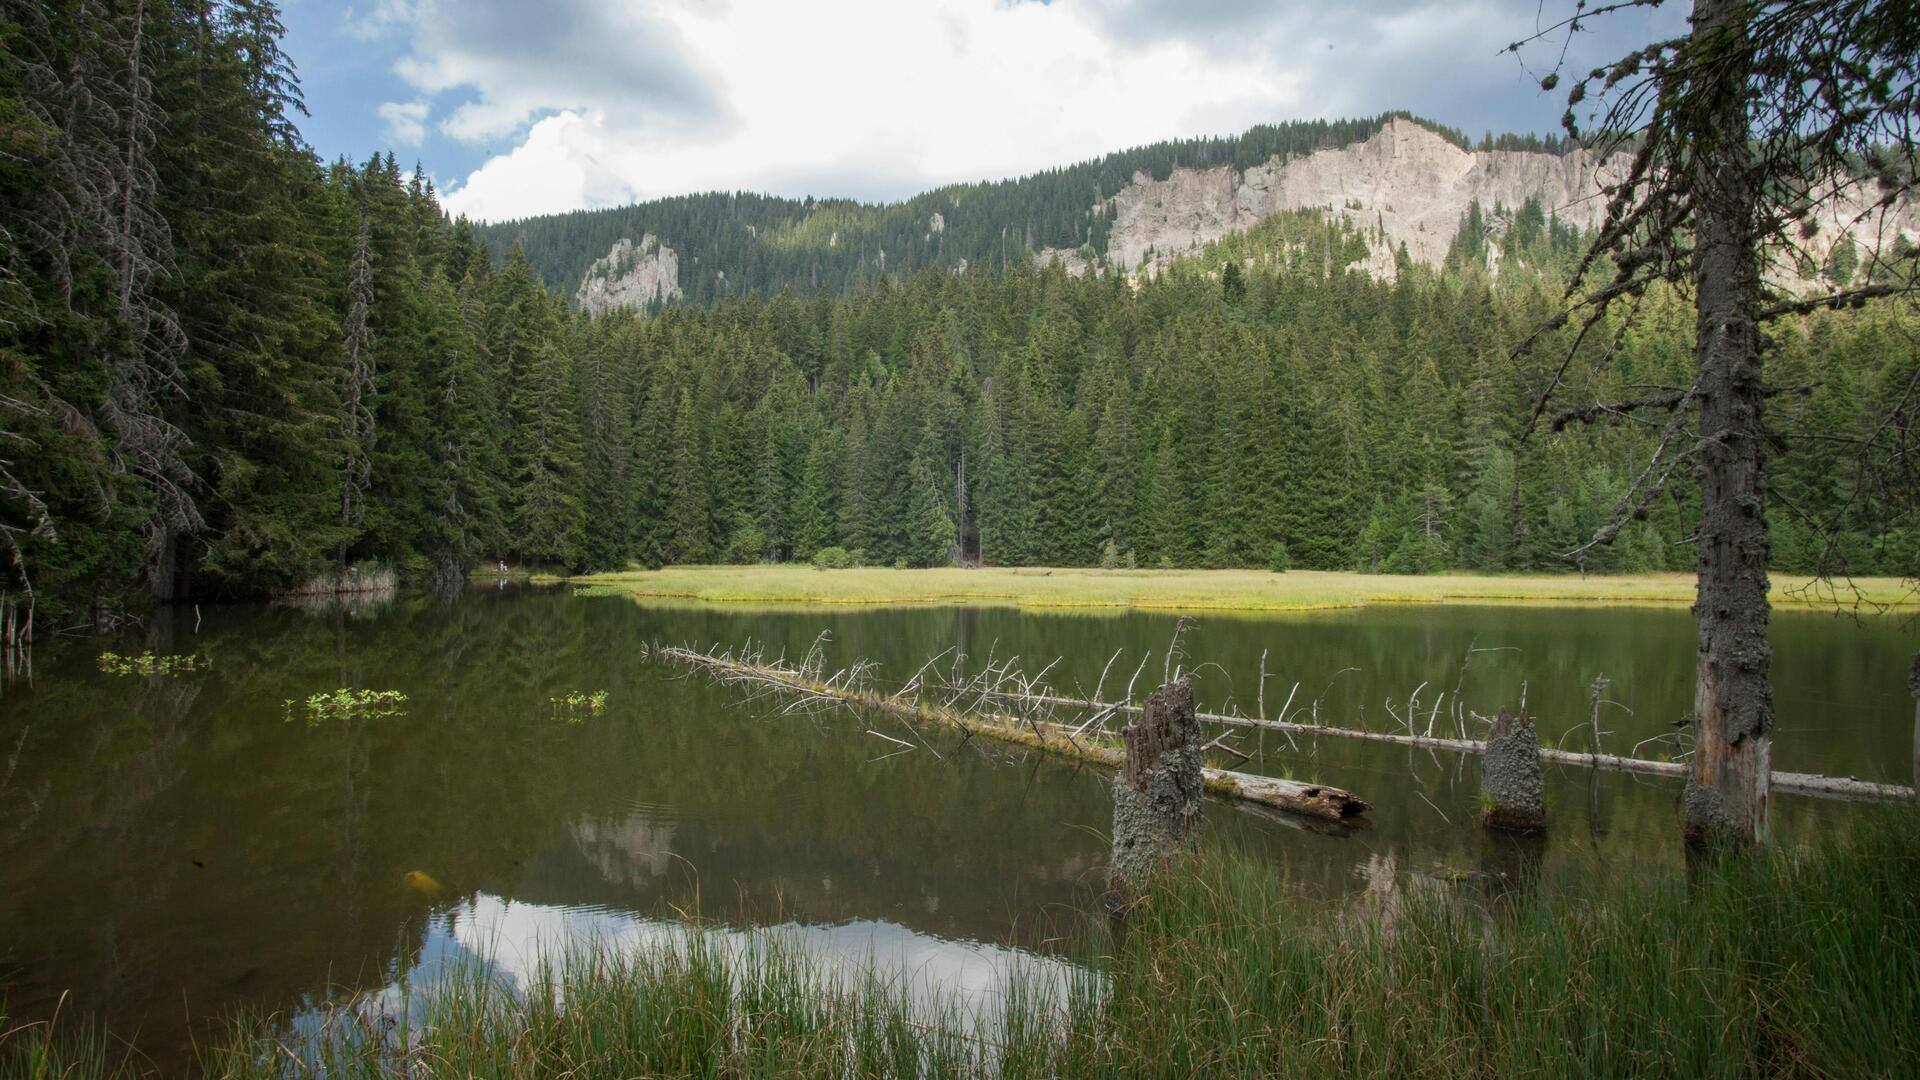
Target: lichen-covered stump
[
  {"x": 1511, "y": 785},
  {"x": 1157, "y": 796}
]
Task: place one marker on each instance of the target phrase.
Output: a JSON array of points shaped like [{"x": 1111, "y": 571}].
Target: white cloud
[
  {"x": 556, "y": 169},
  {"x": 406, "y": 121},
  {"x": 874, "y": 98},
  {"x": 617, "y": 99},
  {"x": 377, "y": 19},
  {"x": 519, "y": 61}
]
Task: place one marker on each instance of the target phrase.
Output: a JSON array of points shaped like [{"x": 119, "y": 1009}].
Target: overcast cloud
[{"x": 522, "y": 109}]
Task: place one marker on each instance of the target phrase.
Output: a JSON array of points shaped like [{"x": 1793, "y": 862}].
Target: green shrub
[
  {"x": 1278, "y": 560},
  {"x": 748, "y": 545},
  {"x": 834, "y": 558}
]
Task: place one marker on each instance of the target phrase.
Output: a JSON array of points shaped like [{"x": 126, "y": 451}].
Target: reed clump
[
  {"x": 1795, "y": 962},
  {"x": 361, "y": 577}
]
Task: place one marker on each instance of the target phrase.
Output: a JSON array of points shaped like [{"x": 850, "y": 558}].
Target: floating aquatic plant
[
  {"x": 344, "y": 704},
  {"x": 149, "y": 664},
  {"x": 578, "y": 705}
]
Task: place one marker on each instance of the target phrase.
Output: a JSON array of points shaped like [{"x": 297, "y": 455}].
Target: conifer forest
[{"x": 228, "y": 367}]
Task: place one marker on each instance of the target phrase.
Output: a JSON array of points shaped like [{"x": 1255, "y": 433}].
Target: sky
[{"x": 518, "y": 108}]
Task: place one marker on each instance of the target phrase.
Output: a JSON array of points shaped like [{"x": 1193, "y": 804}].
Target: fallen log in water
[
  {"x": 1845, "y": 787},
  {"x": 1314, "y": 800}
]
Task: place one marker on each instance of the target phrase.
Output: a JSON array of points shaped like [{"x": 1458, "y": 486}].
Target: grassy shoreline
[
  {"x": 1796, "y": 962},
  {"x": 1198, "y": 590}
]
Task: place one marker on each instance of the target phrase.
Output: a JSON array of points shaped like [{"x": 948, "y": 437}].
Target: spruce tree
[{"x": 549, "y": 514}]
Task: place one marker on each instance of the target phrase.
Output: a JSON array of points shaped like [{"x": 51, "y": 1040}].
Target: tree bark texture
[
  {"x": 1510, "y": 776},
  {"x": 1727, "y": 787},
  {"x": 1156, "y": 798}
]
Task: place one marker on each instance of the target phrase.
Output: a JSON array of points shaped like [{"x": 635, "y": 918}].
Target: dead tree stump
[
  {"x": 1511, "y": 786},
  {"x": 1913, "y": 687},
  {"x": 1156, "y": 798}
]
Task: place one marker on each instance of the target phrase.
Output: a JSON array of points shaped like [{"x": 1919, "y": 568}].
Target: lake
[{"x": 172, "y": 849}]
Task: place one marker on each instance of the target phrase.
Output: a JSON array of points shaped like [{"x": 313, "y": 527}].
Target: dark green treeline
[
  {"x": 226, "y": 368},
  {"x": 1200, "y": 419}
]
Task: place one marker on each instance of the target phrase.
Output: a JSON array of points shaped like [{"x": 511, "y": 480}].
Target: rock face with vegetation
[
  {"x": 1397, "y": 184},
  {"x": 1408, "y": 186},
  {"x": 630, "y": 276},
  {"x": 1405, "y": 185}
]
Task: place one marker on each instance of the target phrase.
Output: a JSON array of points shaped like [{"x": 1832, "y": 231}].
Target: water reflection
[
  {"x": 627, "y": 851},
  {"x": 171, "y": 846},
  {"x": 509, "y": 941}
]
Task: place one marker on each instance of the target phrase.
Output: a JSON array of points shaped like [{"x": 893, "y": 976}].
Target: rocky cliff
[
  {"x": 1401, "y": 183},
  {"x": 1406, "y": 181},
  {"x": 630, "y": 276},
  {"x": 1415, "y": 186}
]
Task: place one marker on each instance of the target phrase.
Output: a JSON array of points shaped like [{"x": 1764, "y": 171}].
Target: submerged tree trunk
[
  {"x": 1727, "y": 787},
  {"x": 1156, "y": 797}
]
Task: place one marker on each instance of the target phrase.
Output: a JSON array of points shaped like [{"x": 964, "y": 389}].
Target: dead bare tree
[
  {"x": 1736, "y": 134},
  {"x": 92, "y": 104},
  {"x": 356, "y": 394}
]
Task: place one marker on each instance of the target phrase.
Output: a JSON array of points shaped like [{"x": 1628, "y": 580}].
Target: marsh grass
[
  {"x": 361, "y": 577},
  {"x": 693, "y": 1007},
  {"x": 52, "y": 1051},
  {"x": 1189, "y": 590},
  {"x": 1792, "y": 964},
  {"x": 1798, "y": 962}
]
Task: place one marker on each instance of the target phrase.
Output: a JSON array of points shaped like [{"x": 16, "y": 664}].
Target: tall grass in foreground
[
  {"x": 1794, "y": 963},
  {"x": 1791, "y": 964}
]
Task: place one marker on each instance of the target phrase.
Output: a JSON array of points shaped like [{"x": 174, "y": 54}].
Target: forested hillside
[
  {"x": 731, "y": 244},
  {"x": 1203, "y": 419},
  {"x": 228, "y": 368}
]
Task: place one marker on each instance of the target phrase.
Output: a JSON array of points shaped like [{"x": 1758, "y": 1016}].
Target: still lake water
[{"x": 173, "y": 848}]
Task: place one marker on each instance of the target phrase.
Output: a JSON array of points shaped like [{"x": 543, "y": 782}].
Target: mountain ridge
[
  {"x": 766, "y": 243},
  {"x": 1406, "y": 184}
]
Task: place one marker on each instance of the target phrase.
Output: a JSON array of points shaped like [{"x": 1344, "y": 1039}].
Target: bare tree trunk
[
  {"x": 356, "y": 398},
  {"x": 129, "y": 187},
  {"x": 1727, "y": 788},
  {"x": 1913, "y": 687}
]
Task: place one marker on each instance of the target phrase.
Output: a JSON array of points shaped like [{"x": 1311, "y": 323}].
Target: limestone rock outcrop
[
  {"x": 1414, "y": 186},
  {"x": 630, "y": 276}
]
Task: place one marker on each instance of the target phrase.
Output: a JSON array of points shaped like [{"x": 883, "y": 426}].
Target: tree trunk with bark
[
  {"x": 1727, "y": 788},
  {"x": 1156, "y": 797},
  {"x": 1913, "y": 687},
  {"x": 1511, "y": 782}
]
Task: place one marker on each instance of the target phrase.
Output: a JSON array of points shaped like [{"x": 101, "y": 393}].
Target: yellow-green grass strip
[{"x": 1201, "y": 590}]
